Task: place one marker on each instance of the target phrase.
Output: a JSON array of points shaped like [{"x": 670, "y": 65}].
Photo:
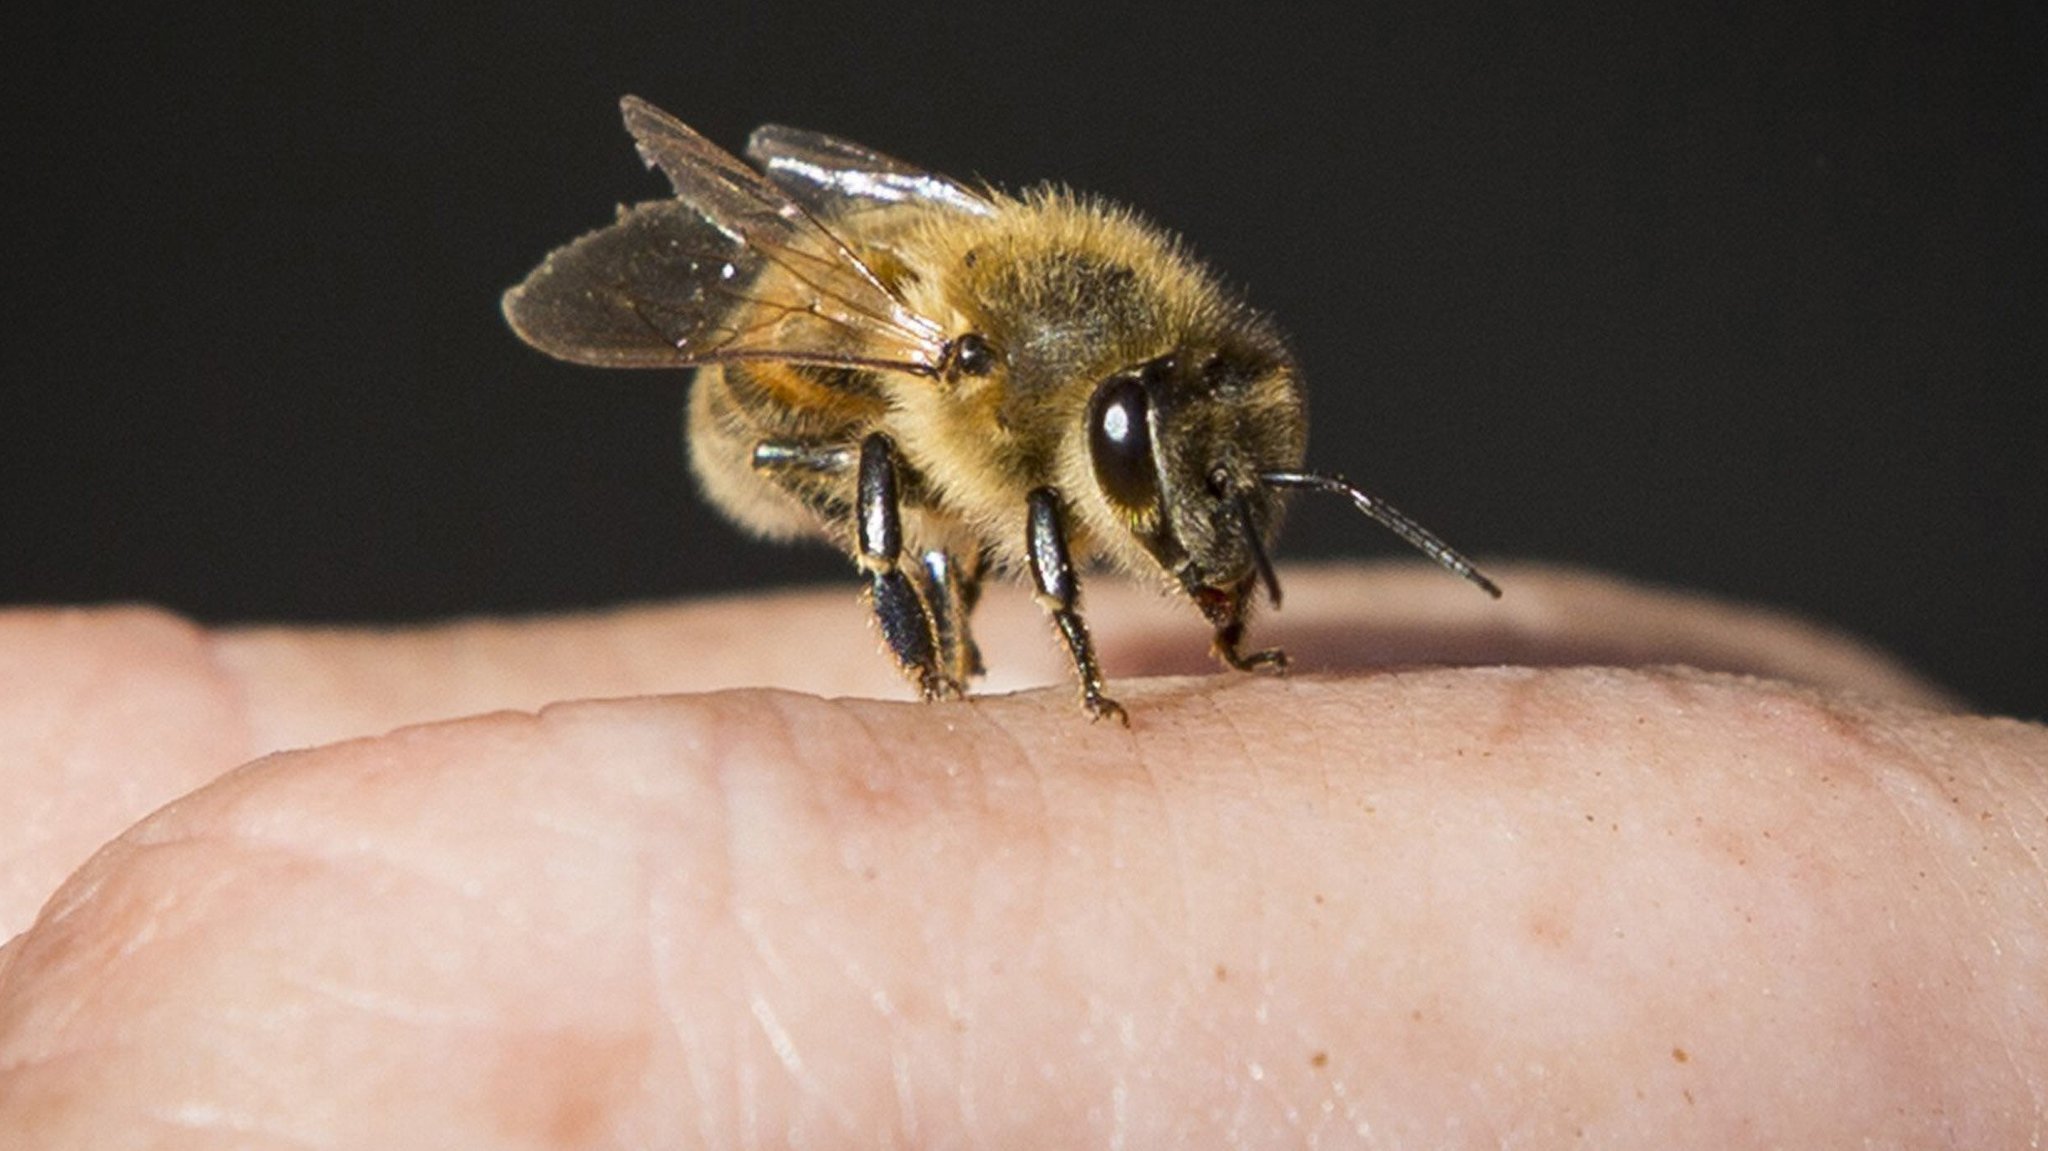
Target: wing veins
[
  {"x": 732, "y": 268},
  {"x": 727, "y": 193}
]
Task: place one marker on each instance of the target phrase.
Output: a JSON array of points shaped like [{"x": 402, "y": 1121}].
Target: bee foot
[
  {"x": 1102, "y": 707},
  {"x": 1272, "y": 660},
  {"x": 936, "y": 687}
]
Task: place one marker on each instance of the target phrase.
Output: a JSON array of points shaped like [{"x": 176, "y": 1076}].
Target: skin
[{"x": 1576, "y": 893}]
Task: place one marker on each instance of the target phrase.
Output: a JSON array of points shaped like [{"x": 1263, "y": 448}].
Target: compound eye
[
  {"x": 972, "y": 355},
  {"x": 1120, "y": 442}
]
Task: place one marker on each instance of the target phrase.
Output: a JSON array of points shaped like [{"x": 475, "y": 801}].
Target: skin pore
[{"x": 1657, "y": 870}]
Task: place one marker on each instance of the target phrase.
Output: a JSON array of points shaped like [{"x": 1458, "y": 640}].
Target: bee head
[{"x": 1177, "y": 445}]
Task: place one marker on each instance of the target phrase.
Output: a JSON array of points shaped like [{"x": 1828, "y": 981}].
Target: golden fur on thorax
[{"x": 1069, "y": 290}]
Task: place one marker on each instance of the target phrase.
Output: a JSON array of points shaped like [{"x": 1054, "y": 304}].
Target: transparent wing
[
  {"x": 731, "y": 269},
  {"x": 834, "y": 177}
]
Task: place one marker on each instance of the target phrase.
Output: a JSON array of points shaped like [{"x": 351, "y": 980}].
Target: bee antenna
[
  {"x": 1388, "y": 516},
  {"x": 1259, "y": 556}
]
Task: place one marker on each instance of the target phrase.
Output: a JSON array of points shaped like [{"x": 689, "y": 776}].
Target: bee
[{"x": 949, "y": 380}]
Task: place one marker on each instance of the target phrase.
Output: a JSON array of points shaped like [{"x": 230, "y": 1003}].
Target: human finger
[{"x": 1430, "y": 906}]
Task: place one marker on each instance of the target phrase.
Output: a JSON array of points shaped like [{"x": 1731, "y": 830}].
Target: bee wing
[
  {"x": 835, "y": 177},
  {"x": 674, "y": 282}
]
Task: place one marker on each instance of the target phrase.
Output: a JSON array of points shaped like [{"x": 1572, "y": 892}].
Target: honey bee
[{"x": 950, "y": 380}]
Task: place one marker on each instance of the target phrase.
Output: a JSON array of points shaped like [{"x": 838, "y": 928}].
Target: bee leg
[
  {"x": 1225, "y": 645},
  {"x": 900, "y": 604},
  {"x": 1226, "y": 615},
  {"x": 951, "y": 591},
  {"x": 1052, "y": 574},
  {"x": 786, "y": 458},
  {"x": 811, "y": 473},
  {"x": 970, "y": 596}
]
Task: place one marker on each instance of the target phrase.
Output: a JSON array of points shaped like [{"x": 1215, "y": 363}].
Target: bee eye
[
  {"x": 1120, "y": 442},
  {"x": 972, "y": 356}
]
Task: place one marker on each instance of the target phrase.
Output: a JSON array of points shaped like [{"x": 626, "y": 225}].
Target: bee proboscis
[{"x": 948, "y": 380}]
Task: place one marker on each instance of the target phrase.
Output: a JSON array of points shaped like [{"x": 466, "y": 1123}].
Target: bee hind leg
[
  {"x": 904, "y": 606},
  {"x": 1052, "y": 574}
]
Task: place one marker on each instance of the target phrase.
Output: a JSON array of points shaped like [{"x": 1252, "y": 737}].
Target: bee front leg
[
  {"x": 1225, "y": 613},
  {"x": 1225, "y": 645},
  {"x": 1052, "y": 573},
  {"x": 900, "y": 605}
]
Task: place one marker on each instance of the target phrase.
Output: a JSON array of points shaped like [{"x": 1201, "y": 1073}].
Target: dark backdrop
[{"x": 1751, "y": 304}]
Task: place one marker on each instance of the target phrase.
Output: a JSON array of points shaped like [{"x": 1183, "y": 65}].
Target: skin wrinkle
[
  {"x": 1178, "y": 941},
  {"x": 199, "y": 1119},
  {"x": 224, "y": 881},
  {"x": 1167, "y": 939},
  {"x": 969, "y": 984},
  {"x": 339, "y": 853},
  {"x": 1435, "y": 806},
  {"x": 654, "y": 881},
  {"x": 747, "y": 918},
  {"x": 1132, "y": 810},
  {"x": 2017, "y": 830},
  {"x": 1401, "y": 795},
  {"x": 1329, "y": 1090},
  {"x": 879, "y": 786},
  {"x": 389, "y": 1007},
  {"x": 1012, "y": 764},
  {"x": 661, "y": 958},
  {"x": 724, "y": 767},
  {"x": 1175, "y": 836},
  {"x": 1108, "y": 1013},
  {"x": 78, "y": 678},
  {"x": 299, "y": 687},
  {"x": 1326, "y": 797},
  {"x": 902, "y": 1080},
  {"x": 1262, "y": 887},
  {"x": 78, "y": 891},
  {"x": 702, "y": 878},
  {"x": 58, "y": 1021},
  {"x": 873, "y": 992},
  {"x": 1922, "y": 803},
  {"x": 1195, "y": 972},
  {"x": 2010, "y": 1044},
  {"x": 746, "y": 1079},
  {"x": 1924, "y": 813}
]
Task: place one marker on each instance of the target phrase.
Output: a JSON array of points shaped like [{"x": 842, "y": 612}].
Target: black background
[{"x": 1748, "y": 303}]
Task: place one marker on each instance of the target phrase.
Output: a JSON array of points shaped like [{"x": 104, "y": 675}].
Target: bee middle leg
[
  {"x": 904, "y": 609},
  {"x": 792, "y": 462},
  {"x": 1052, "y": 574}
]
